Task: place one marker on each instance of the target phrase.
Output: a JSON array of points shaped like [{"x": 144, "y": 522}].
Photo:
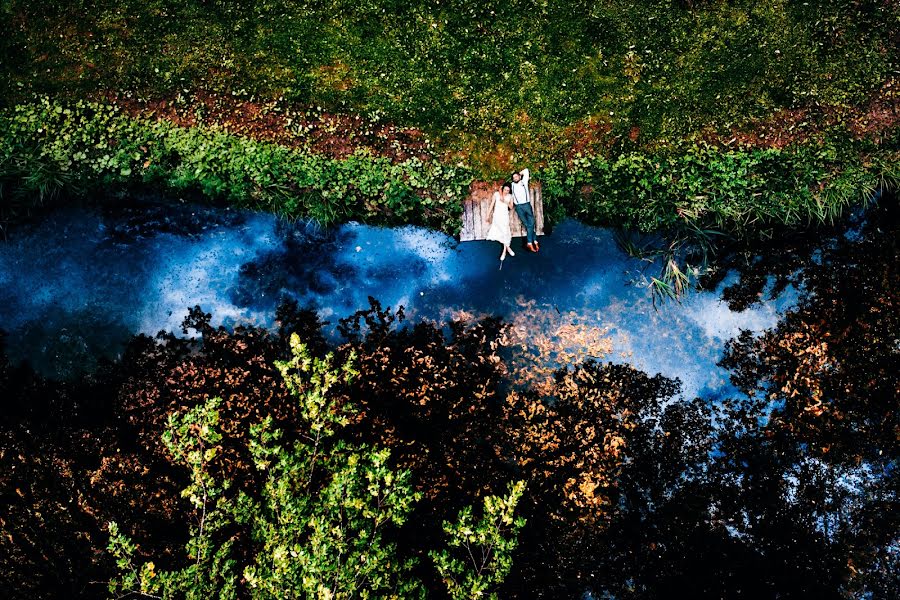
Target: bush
[
  {"x": 100, "y": 147},
  {"x": 319, "y": 526},
  {"x": 80, "y": 148},
  {"x": 739, "y": 192}
]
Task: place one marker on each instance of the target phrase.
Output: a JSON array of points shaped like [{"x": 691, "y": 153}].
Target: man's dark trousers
[{"x": 526, "y": 215}]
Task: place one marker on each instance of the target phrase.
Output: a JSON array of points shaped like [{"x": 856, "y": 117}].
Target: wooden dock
[{"x": 475, "y": 212}]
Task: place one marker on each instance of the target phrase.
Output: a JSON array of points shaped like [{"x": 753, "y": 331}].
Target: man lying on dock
[{"x": 523, "y": 207}]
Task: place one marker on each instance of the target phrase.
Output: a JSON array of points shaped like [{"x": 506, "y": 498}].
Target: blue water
[{"x": 79, "y": 283}]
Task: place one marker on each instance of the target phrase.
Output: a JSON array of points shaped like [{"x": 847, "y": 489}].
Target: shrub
[
  {"x": 318, "y": 524},
  {"x": 103, "y": 149},
  {"x": 740, "y": 192}
]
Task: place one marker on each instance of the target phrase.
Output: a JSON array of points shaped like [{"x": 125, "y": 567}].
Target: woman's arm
[{"x": 494, "y": 200}]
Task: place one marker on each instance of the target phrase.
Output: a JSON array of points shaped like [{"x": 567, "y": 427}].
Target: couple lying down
[{"x": 512, "y": 195}]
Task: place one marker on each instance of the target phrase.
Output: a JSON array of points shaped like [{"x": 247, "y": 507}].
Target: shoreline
[{"x": 54, "y": 151}]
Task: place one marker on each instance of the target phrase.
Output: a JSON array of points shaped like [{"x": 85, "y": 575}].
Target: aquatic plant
[{"x": 28, "y": 184}]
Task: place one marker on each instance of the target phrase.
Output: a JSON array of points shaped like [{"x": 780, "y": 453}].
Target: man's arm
[{"x": 526, "y": 175}]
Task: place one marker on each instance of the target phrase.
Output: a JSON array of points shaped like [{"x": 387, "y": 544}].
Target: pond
[{"x": 78, "y": 284}]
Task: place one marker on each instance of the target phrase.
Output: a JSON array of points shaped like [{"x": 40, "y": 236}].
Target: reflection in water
[{"x": 88, "y": 280}]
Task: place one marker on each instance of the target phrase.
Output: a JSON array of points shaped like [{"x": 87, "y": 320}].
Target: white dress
[{"x": 499, "y": 231}]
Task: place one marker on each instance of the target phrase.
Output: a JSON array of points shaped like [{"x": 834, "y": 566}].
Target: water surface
[{"x": 79, "y": 283}]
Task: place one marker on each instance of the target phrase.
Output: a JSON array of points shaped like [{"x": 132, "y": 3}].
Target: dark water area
[
  {"x": 77, "y": 285},
  {"x": 779, "y": 482}
]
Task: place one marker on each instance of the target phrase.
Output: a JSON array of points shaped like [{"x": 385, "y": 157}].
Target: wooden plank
[
  {"x": 538, "y": 205},
  {"x": 470, "y": 233},
  {"x": 477, "y": 231},
  {"x": 474, "y": 220},
  {"x": 468, "y": 221},
  {"x": 482, "y": 225},
  {"x": 465, "y": 223}
]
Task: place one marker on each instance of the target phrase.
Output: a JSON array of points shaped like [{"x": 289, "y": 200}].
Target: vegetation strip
[
  {"x": 81, "y": 147},
  {"x": 49, "y": 146}
]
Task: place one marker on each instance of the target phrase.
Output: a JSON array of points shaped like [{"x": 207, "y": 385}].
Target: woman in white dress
[{"x": 499, "y": 220}]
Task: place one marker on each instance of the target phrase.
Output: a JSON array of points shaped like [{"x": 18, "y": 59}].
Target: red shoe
[
  {"x": 530, "y": 247},
  {"x": 537, "y": 246}
]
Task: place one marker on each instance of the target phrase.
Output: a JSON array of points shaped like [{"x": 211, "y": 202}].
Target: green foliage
[
  {"x": 311, "y": 380},
  {"x": 98, "y": 146},
  {"x": 48, "y": 145},
  {"x": 332, "y": 546},
  {"x": 480, "y": 553},
  {"x": 738, "y": 192},
  {"x": 317, "y": 527},
  {"x": 212, "y": 572}
]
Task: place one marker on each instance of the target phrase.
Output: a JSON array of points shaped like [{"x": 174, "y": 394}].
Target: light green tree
[
  {"x": 480, "y": 553},
  {"x": 193, "y": 441},
  {"x": 316, "y": 525}
]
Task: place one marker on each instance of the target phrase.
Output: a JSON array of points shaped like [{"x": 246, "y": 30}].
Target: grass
[
  {"x": 493, "y": 83},
  {"x": 28, "y": 183}
]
